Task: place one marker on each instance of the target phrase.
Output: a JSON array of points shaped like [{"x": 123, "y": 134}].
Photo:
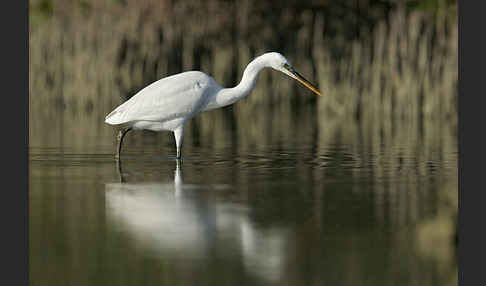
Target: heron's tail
[{"x": 115, "y": 117}]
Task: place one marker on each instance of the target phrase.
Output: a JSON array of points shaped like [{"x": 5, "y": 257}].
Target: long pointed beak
[{"x": 294, "y": 74}]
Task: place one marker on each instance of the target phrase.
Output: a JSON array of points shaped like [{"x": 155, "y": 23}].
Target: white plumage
[
  {"x": 169, "y": 102},
  {"x": 163, "y": 101}
]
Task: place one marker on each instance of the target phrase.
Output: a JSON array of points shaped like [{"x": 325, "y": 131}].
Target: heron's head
[{"x": 280, "y": 63}]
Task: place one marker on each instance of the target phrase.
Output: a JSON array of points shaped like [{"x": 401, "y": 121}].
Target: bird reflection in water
[{"x": 175, "y": 220}]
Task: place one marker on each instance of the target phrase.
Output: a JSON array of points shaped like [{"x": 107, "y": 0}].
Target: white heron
[{"x": 167, "y": 104}]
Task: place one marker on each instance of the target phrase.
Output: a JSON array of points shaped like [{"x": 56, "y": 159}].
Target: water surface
[{"x": 289, "y": 211}]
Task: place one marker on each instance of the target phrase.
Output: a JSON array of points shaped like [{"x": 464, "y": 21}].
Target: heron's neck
[{"x": 227, "y": 96}]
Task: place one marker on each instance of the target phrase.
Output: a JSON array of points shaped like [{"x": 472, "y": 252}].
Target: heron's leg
[
  {"x": 120, "y": 171},
  {"x": 120, "y": 136},
  {"x": 178, "y": 179},
  {"x": 178, "y": 134}
]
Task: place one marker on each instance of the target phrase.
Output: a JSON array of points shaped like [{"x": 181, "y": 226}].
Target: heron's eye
[{"x": 286, "y": 66}]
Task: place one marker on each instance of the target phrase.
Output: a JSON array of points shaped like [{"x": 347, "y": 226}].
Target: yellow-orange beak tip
[{"x": 302, "y": 80}]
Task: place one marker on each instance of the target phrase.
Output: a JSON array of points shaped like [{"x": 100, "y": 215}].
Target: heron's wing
[{"x": 166, "y": 99}]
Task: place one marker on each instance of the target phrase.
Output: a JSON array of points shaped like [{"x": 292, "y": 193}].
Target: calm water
[{"x": 294, "y": 210}]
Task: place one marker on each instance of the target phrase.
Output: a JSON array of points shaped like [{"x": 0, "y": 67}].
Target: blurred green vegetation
[
  {"x": 431, "y": 5},
  {"x": 378, "y": 53}
]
